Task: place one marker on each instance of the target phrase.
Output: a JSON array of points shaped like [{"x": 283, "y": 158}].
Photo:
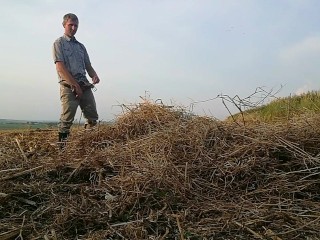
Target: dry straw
[{"x": 160, "y": 173}]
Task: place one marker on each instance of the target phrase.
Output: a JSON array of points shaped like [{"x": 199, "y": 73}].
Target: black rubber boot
[{"x": 62, "y": 140}]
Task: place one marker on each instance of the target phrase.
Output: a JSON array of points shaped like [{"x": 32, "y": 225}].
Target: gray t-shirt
[{"x": 74, "y": 55}]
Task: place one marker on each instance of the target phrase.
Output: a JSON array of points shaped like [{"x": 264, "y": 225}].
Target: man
[{"x": 72, "y": 62}]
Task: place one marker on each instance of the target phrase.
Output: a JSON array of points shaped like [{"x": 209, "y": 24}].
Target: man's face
[{"x": 71, "y": 27}]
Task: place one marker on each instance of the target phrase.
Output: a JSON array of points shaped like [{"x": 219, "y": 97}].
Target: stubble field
[{"x": 157, "y": 173}]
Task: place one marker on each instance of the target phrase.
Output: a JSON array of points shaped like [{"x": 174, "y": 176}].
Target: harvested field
[{"x": 160, "y": 174}]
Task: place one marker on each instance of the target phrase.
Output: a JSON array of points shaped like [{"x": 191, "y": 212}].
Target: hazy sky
[{"x": 180, "y": 51}]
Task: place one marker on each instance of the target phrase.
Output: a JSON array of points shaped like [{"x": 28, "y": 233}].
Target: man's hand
[
  {"x": 95, "y": 79},
  {"x": 78, "y": 91},
  {"x": 64, "y": 73}
]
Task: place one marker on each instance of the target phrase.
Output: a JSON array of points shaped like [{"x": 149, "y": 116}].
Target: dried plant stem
[
  {"x": 255, "y": 234},
  {"x": 21, "y": 150},
  {"x": 21, "y": 173}
]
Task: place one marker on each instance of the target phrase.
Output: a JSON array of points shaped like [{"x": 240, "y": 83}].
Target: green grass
[
  {"x": 20, "y": 125},
  {"x": 285, "y": 108}
]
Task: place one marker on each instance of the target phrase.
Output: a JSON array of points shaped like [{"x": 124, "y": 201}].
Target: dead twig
[
  {"x": 21, "y": 173},
  {"x": 21, "y": 150}
]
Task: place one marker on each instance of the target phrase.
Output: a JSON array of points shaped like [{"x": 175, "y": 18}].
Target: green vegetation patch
[
  {"x": 285, "y": 108},
  {"x": 7, "y": 124}
]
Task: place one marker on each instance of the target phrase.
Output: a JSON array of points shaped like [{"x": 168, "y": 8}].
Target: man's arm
[
  {"x": 92, "y": 73},
  {"x": 65, "y": 75}
]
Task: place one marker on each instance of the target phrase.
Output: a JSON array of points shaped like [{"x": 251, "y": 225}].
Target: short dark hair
[{"x": 69, "y": 16}]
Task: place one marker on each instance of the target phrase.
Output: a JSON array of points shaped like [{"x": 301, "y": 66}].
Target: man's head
[{"x": 70, "y": 24}]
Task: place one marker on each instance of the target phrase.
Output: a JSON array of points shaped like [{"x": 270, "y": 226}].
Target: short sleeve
[{"x": 57, "y": 52}]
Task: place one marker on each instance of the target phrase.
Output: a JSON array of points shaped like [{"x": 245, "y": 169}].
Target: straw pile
[{"x": 158, "y": 173}]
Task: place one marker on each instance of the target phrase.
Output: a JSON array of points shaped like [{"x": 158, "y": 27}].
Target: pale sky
[{"x": 180, "y": 51}]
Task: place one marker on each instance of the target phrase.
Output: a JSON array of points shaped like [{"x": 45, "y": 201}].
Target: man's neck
[{"x": 71, "y": 38}]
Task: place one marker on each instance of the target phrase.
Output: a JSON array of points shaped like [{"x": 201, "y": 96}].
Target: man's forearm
[
  {"x": 92, "y": 73},
  {"x": 64, "y": 74}
]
